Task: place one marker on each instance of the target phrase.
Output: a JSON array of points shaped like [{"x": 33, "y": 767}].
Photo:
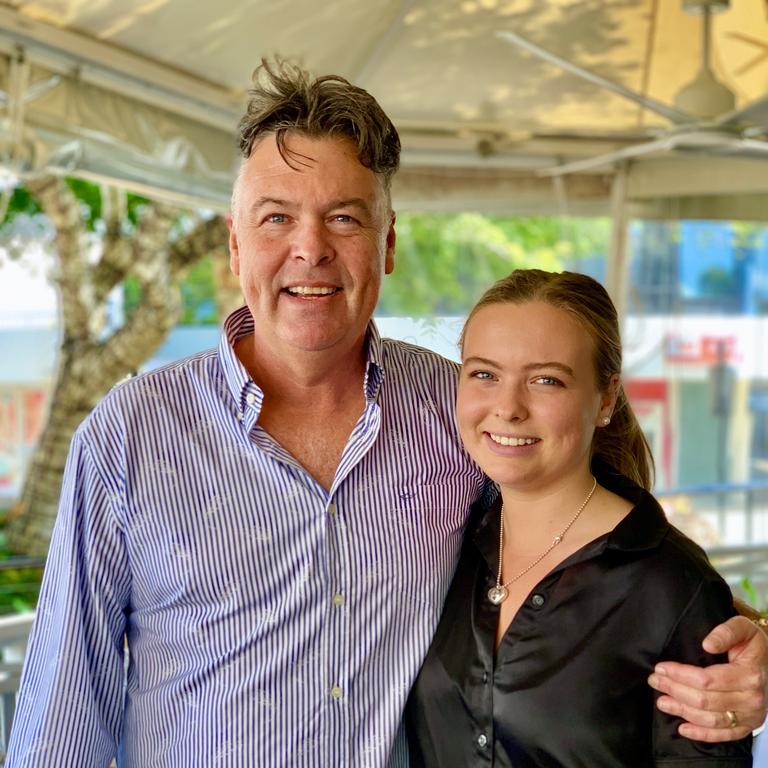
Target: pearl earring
[{"x": 606, "y": 420}]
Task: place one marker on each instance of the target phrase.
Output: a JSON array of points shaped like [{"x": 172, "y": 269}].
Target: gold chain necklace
[{"x": 498, "y": 593}]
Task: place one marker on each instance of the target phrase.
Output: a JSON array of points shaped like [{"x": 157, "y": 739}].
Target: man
[{"x": 273, "y": 525}]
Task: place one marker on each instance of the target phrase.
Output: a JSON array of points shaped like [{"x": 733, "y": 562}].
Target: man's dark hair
[{"x": 285, "y": 98}]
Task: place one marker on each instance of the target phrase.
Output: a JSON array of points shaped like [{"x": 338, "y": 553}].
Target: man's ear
[
  {"x": 234, "y": 251},
  {"x": 389, "y": 261}
]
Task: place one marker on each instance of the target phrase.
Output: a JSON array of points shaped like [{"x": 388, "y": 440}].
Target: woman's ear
[{"x": 608, "y": 400}]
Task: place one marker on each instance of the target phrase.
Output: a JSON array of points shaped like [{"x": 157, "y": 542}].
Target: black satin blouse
[{"x": 567, "y": 686}]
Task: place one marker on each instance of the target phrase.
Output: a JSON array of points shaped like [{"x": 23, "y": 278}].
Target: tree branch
[
  {"x": 63, "y": 210},
  {"x": 210, "y": 236}
]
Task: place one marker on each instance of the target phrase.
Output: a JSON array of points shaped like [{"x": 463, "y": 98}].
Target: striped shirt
[{"x": 268, "y": 622}]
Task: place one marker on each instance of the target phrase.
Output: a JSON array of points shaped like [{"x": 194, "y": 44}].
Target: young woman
[{"x": 572, "y": 585}]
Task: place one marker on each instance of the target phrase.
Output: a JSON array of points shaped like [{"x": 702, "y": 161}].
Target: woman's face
[{"x": 528, "y": 402}]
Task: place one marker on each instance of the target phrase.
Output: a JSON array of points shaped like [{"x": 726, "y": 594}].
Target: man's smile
[{"x": 311, "y": 291}]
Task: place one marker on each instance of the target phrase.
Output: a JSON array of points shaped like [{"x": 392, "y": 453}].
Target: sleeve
[
  {"x": 70, "y": 705},
  {"x": 711, "y": 604}
]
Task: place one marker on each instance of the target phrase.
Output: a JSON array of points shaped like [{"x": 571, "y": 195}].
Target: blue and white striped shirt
[{"x": 269, "y": 622}]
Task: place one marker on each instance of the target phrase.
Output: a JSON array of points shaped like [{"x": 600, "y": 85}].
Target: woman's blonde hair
[{"x": 621, "y": 444}]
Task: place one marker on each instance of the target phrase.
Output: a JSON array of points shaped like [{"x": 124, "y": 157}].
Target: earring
[{"x": 606, "y": 420}]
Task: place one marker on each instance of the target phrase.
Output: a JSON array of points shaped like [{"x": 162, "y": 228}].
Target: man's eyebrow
[
  {"x": 351, "y": 202},
  {"x": 262, "y": 201},
  {"x": 354, "y": 203}
]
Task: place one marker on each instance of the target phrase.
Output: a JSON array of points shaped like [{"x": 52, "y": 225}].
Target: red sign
[{"x": 700, "y": 349}]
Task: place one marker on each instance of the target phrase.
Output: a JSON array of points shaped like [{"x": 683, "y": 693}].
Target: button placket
[{"x": 337, "y": 626}]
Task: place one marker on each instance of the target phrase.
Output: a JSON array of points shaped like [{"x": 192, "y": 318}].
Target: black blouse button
[
  {"x": 482, "y": 740},
  {"x": 485, "y": 677},
  {"x": 537, "y": 601}
]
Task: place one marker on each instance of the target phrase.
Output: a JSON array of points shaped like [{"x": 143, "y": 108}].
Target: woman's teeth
[{"x": 514, "y": 441}]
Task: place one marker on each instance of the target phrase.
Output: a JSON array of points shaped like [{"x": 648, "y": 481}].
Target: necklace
[{"x": 498, "y": 593}]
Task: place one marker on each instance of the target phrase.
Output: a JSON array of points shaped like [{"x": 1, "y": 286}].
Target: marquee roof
[{"x": 148, "y": 92}]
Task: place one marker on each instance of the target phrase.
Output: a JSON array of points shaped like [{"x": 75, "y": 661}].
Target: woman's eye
[
  {"x": 549, "y": 380},
  {"x": 482, "y": 375}
]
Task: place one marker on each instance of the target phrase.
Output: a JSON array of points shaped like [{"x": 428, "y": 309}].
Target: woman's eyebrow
[
  {"x": 550, "y": 364},
  {"x": 480, "y": 360}
]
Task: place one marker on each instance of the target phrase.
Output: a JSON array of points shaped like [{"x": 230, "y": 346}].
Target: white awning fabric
[{"x": 148, "y": 94}]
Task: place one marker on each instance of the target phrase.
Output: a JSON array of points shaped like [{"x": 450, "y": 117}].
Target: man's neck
[
  {"x": 311, "y": 402},
  {"x": 322, "y": 377}
]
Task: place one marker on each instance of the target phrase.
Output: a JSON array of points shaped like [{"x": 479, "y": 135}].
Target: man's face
[{"x": 311, "y": 245}]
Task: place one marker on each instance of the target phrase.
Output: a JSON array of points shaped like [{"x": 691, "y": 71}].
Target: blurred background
[{"x": 621, "y": 138}]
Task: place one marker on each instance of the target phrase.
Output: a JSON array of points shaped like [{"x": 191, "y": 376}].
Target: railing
[
  {"x": 731, "y": 522},
  {"x": 14, "y": 631}
]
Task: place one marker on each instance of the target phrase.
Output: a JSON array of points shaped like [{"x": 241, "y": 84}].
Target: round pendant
[{"x": 498, "y": 594}]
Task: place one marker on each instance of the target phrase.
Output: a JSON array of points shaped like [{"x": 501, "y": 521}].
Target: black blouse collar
[{"x": 642, "y": 529}]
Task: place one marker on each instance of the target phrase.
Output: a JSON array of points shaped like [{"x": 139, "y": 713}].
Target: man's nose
[{"x": 312, "y": 243}]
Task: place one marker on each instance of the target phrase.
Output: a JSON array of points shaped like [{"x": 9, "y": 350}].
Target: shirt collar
[
  {"x": 240, "y": 323},
  {"x": 642, "y": 529}
]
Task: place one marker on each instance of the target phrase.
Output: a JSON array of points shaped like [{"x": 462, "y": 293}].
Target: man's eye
[
  {"x": 482, "y": 375},
  {"x": 343, "y": 218},
  {"x": 276, "y": 218},
  {"x": 549, "y": 380}
]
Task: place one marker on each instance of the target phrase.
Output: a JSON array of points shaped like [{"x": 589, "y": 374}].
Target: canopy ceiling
[{"x": 148, "y": 92}]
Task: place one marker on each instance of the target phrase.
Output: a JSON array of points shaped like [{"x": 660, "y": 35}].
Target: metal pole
[{"x": 618, "y": 261}]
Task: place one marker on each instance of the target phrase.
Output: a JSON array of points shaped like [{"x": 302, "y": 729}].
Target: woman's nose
[{"x": 512, "y": 405}]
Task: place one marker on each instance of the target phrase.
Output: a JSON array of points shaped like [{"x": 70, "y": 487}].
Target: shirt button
[
  {"x": 331, "y": 509},
  {"x": 240, "y": 415},
  {"x": 482, "y": 741},
  {"x": 338, "y": 599},
  {"x": 538, "y": 600},
  {"x": 250, "y": 398},
  {"x": 336, "y": 692}
]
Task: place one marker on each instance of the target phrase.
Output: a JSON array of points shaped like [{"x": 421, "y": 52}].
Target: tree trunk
[
  {"x": 90, "y": 363},
  {"x": 229, "y": 295}
]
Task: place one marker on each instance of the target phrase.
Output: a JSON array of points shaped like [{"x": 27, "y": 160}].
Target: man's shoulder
[
  {"x": 173, "y": 383},
  {"x": 404, "y": 352}
]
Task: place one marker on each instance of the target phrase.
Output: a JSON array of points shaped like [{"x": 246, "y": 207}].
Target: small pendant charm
[
  {"x": 556, "y": 540},
  {"x": 498, "y": 594}
]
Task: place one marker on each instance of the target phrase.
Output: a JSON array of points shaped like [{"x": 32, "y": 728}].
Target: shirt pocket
[{"x": 425, "y": 525}]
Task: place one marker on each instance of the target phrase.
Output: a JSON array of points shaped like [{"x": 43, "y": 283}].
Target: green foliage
[
  {"x": 444, "y": 262},
  {"x": 751, "y": 595},
  {"x": 198, "y": 295},
  {"x": 21, "y": 201},
  {"x": 131, "y": 294},
  {"x": 89, "y": 197},
  {"x": 19, "y": 587},
  {"x": 133, "y": 205}
]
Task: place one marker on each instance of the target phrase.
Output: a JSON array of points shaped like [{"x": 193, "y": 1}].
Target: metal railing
[
  {"x": 14, "y": 631},
  {"x": 731, "y": 522}
]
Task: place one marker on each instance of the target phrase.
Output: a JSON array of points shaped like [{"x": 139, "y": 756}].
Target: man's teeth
[
  {"x": 503, "y": 440},
  {"x": 305, "y": 290}
]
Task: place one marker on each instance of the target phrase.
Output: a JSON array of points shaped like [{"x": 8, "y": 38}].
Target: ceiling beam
[{"x": 106, "y": 65}]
